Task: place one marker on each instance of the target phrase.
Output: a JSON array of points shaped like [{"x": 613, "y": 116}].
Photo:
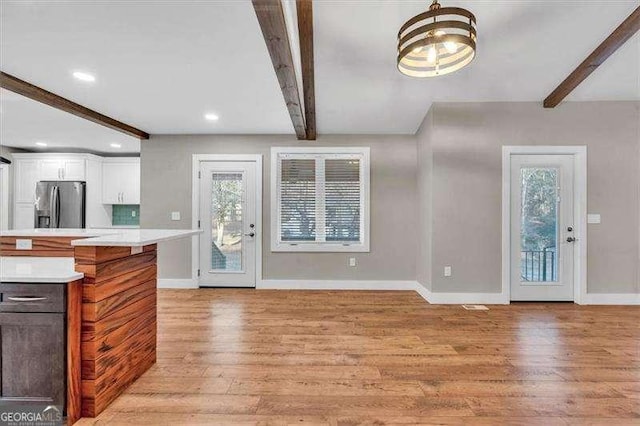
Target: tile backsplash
[{"x": 125, "y": 214}]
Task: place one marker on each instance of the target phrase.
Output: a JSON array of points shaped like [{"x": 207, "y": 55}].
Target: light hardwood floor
[{"x": 346, "y": 358}]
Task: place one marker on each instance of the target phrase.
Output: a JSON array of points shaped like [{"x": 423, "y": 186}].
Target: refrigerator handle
[{"x": 55, "y": 207}]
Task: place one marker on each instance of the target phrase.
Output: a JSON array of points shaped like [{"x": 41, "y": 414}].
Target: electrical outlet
[
  {"x": 175, "y": 215},
  {"x": 352, "y": 261},
  {"x": 24, "y": 244},
  {"x": 447, "y": 271}
]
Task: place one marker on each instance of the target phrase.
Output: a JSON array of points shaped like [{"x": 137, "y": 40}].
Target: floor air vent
[{"x": 475, "y": 307}]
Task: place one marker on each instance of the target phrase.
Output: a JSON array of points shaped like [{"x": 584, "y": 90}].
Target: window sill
[{"x": 320, "y": 248}]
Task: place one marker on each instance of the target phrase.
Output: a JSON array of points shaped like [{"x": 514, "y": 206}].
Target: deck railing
[{"x": 538, "y": 265}]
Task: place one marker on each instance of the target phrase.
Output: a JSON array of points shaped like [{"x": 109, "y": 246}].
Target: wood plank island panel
[
  {"x": 106, "y": 271},
  {"x": 118, "y": 320},
  {"x": 41, "y": 247},
  {"x": 74, "y": 357}
]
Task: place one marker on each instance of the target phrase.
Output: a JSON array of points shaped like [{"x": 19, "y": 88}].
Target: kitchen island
[{"x": 114, "y": 340}]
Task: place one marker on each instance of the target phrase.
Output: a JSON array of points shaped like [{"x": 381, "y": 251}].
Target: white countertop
[
  {"x": 108, "y": 237},
  {"x": 136, "y": 237},
  {"x": 62, "y": 232},
  {"x": 22, "y": 269}
]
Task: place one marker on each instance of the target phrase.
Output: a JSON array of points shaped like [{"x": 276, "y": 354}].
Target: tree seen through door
[
  {"x": 539, "y": 224},
  {"x": 226, "y": 221}
]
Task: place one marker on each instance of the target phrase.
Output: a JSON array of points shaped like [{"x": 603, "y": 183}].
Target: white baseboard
[
  {"x": 177, "y": 283},
  {"x": 335, "y": 285},
  {"x": 611, "y": 299},
  {"x": 461, "y": 298}
]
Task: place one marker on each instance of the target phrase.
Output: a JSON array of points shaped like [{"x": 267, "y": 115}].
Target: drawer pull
[{"x": 26, "y": 299}]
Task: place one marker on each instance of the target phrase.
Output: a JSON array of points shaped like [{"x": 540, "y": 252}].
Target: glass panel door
[
  {"x": 542, "y": 228},
  {"x": 228, "y": 221}
]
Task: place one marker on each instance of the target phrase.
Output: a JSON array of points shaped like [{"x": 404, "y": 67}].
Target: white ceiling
[
  {"x": 525, "y": 49},
  {"x": 24, "y": 122},
  {"x": 161, "y": 65}
]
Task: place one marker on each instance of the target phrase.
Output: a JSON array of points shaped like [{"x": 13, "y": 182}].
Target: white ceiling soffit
[
  {"x": 23, "y": 122},
  {"x": 160, "y": 66}
]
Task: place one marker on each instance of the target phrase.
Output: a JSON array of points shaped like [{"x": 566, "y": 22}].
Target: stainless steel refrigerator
[{"x": 60, "y": 204}]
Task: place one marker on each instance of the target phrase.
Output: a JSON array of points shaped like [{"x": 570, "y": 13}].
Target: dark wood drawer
[{"x": 18, "y": 297}]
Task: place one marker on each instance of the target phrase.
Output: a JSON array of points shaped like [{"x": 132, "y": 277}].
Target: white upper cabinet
[
  {"x": 73, "y": 169},
  {"x": 121, "y": 181},
  {"x": 62, "y": 169},
  {"x": 50, "y": 169}
]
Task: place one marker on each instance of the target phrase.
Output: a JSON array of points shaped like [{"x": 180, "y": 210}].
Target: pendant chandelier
[{"x": 437, "y": 42}]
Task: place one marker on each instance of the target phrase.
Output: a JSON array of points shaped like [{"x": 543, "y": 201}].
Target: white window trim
[{"x": 277, "y": 245}]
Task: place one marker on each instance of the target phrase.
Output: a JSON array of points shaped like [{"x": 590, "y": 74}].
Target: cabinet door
[
  {"x": 26, "y": 177},
  {"x": 51, "y": 169},
  {"x": 112, "y": 182},
  {"x": 24, "y": 216},
  {"x": 73, "y": 169},
  {"x": 32, "y": 357},
  {"x": 131, "y": 187}
]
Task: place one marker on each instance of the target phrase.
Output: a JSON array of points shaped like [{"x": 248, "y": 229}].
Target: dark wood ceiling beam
[
  {"x": 36, "y": 93},
  {"x": 305, "y": 31},
  {"x": 274, "y": 29},
  {"x": 620, "y": 35}
]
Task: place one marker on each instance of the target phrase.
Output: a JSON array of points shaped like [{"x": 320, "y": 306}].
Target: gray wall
[
  {"x": 166, "y": 186},
  {"x": 436, "y": 196},
  {"x": 466, "y": 143},
  {"x": 425, "y": 213}
]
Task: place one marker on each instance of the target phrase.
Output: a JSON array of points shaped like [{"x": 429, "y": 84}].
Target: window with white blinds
[
  {"x": 298, "y": 199},
  {"x": 320, "y": 199}
]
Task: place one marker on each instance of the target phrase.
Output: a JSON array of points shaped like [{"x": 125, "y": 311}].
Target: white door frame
[
  {"x": 579, "y": 213},
  {"x": 195, "y": 207},
  {"x": 4, "y": 214}
]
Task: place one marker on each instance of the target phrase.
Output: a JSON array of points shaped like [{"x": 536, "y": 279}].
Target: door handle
[
  {"x": 250, "y": 234},
  {"x": 26, "y": 298},
  {"x": 54, "y": 208},
  {"x": 571, "y": 239}
]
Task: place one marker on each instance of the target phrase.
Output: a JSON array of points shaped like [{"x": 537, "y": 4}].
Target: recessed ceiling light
[
  {"x": 84, "y": 76},
  {"x": 211, "y": 116},
  {"x": 115, "y": 145},
  {"x": 41, "y": 143}
]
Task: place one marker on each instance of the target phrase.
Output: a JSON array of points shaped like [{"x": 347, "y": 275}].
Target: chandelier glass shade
[{"x": 437, "y": 42}]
